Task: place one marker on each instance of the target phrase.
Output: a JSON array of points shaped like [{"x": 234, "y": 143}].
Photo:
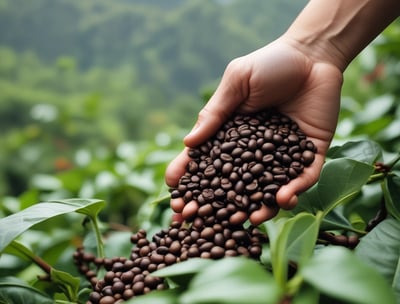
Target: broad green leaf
[
  {"x": 12, "y": 226},
  {"x": 66, "y": 282},
  {"x": 169, "y": 296},
  {"x": 391, "y": 192},
  {"x": 295, "y": 241},
  {"x": 337, "y": 272},
  {"x": 340, "y": 181},
  {"x": 364, "y": 151},
  {"x": 306, "y": 295},
  {"x": 232, "y": 280},
  {"x": 14, "y": 291},
  {"x": 366, "y": 204},
  {"x": 375, "y": 109},
  {"x": 17, "y": 249},
  {"x": 390, "y": 132},
  {"x": 380, "y": 249},
  {"x": 335, "y": 220},
  {"x": 301, "y": 237},
  {"x": 181, "y": 273}
]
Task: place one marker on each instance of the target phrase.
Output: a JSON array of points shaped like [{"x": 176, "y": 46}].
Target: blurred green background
[{"x": 96, "y": 95}]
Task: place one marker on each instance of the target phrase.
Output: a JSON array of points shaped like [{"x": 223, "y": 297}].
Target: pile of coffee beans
[
  {"x": 243, "y": 166},
  {"x": 129, "y": 277},
  {"x": 236, "y": 171}
]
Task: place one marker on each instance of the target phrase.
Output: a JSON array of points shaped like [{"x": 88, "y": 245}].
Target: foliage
[{"x": 294, "y": 263}]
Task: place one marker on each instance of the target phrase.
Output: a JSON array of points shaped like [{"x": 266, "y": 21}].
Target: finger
[
  {"x": 177, "y": 168},
  {"x": 177, "y": 217},
  {"x": 263, "y": 214},
  {"x": 232, "y": 90},
  {"x": 287, "y": 194},
  {"x": 177, "y": 204}
]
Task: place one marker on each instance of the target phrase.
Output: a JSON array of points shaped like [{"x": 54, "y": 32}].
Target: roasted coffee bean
[
  {"x": 247, "y": 156},
  {"x": 308, "y": 157},
  {"x": 228, "y": 147},
  {"x": 118, "y": 287},
  {"x": 107, "y": 300},
  {"x": 207, "y": 233},
  {"x": 205, "y": 210},
  {"x": 217, "y": 252}
]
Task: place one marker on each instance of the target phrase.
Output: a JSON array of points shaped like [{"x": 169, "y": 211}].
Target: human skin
[{"x": 300, "y": 74}]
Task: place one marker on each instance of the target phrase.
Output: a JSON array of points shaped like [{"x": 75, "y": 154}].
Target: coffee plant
[{"x": 339, "y": 245}]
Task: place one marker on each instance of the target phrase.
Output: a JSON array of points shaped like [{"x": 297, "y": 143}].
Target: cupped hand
[{"x": 278, "y": 76}]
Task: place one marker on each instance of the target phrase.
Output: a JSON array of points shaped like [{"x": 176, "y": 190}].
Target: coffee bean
[
  {"x": 169, "y": 259},
  {"x": 227, "y": 147},
  {"x": 207, "y": 233},
  {"x": 226, "y": 184},
  {"x": 267, "y": 159},
  {"x": 247, "y": 177},
  {"x": 107, "y": 300},
  {"x": 205, "y": 210},
  {"x": 193, "y": 252},
  {"x": 239, "y": 187},
  {"x": 257, "y": 169},
  {"x": 257, "y": 196},
  {"x": 206, "y": 247},
  {"x": 227, "y": 169},
  {"x": 247, "y": 156},
  {"x": 237, "y": 152},
  {"x": 308, "y": 157},
  {"x": 210, "y": 171},
  {"x": 226, "y": 157},
  {"x": 222, "y": 214},
  {"x": 138, "y": 288},
  {"x": 194, "y": 153},
  {"x": 217, "y": 252},
  {"x": 118, "y": 287},
  {"x": 157, "y": 258}
]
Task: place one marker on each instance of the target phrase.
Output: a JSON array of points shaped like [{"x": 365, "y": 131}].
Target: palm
[{"x": 276, "y": 76}]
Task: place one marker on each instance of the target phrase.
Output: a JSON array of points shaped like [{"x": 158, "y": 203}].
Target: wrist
[{"x": 336, "y": 31}]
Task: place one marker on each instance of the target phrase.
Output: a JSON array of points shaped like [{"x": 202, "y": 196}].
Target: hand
[{"x": 280, "y": 76}]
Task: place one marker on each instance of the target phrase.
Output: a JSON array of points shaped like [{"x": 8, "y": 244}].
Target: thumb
[{"x": 230, "y": 93}]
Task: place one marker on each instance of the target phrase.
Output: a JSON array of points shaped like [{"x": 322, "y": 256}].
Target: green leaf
[
  {"x": 295, "y": 240},
  {"x": 306, "y": 295},
  {"x": 66, "y": 282},
  {"x": 12, "y": 226},
  {"x": 365, "y": 151},
  {"x": 380, "y": 249},
  {"x": 337, "y": 272},
  {"x": 182, "y": 273},
  {"x": 15, "y": 291},
  {"x": 335, "y": 220},
  {"x": 232, "y": 280},
  {"x": 391, "y": 192},
  {"x": 169, "y": 296},
  {"x": 301, "y": 237},
  {"x": 340, "y": 181},
  {"x": 17, "y": 249}
]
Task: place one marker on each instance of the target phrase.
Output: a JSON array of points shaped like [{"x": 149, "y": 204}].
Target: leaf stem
[
  {"x": 27, "y": 253},
  {"x": 293, "y": 286},
  {"x": 99, "y": 242},
  {"x": 394, "y": 161},
  {"x": 376, "y": 177}
]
